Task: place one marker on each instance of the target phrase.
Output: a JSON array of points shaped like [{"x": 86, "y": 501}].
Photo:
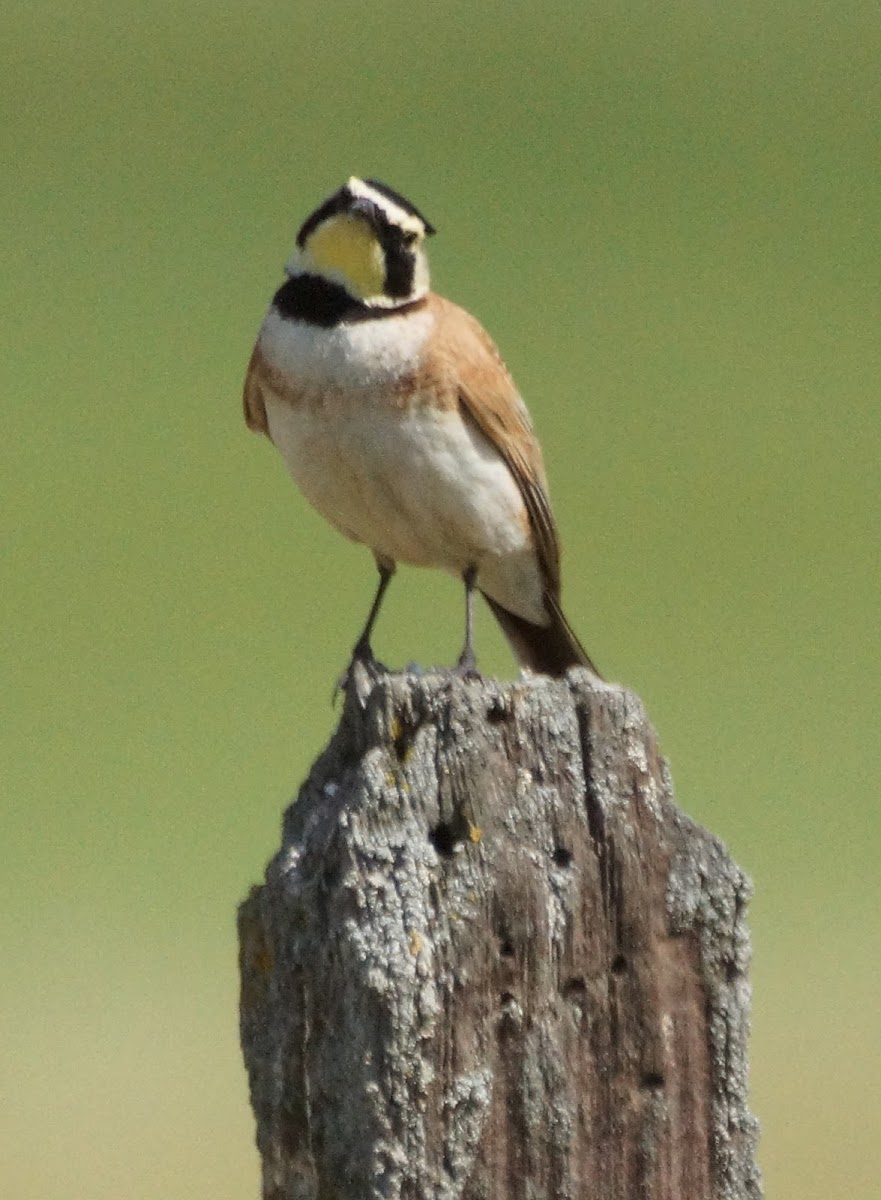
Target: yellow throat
[{"x": 346, "y": 248}]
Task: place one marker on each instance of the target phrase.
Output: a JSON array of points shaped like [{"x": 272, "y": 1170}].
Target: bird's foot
[
  {"x": 466, "y": 666},
  {"x": 363, "y": 670}
]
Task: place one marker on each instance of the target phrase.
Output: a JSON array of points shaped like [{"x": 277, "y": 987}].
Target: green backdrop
[{"x": 668, "y": 216}]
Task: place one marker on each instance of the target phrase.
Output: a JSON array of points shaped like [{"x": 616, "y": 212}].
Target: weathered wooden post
[{"x": 493, "y": 961}]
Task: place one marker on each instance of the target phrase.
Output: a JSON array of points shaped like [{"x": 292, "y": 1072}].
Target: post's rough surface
[{"x": 492, "y": 960}]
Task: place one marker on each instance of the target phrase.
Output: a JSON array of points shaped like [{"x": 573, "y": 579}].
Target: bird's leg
[
  {"x": 467, "y": 662},
  {"x": 362, "y": 651}
]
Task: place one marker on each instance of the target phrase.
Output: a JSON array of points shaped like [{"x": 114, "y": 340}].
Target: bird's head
[{"x": 369, "y": 240}]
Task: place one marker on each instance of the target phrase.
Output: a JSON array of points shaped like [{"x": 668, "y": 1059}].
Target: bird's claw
[
  {"x": 361, "y": 663},
  {"x": 466, "y": 664}
]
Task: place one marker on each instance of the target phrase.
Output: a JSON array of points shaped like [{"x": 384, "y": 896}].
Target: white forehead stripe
[{"x": 396, "y": 215}]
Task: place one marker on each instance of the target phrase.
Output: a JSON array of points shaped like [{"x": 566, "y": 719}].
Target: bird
[{"x": 398, "y": 420}]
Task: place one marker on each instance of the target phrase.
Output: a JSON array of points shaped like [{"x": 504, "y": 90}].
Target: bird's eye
[{"x": 410, "y": 238}]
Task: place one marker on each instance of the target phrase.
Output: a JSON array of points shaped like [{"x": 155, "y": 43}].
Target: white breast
[
  {"x": 418, "y": 485},
  {"x": 356, "y": 355}
]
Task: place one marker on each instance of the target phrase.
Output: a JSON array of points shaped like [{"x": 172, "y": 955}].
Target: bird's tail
[{"x": 547, "y": 649}]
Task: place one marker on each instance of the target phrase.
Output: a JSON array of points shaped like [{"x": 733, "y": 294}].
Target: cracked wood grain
[{"x": 492, "y": 960}]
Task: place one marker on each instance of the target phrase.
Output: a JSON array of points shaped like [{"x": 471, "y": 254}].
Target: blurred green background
[{"x": 668, "y": 217}]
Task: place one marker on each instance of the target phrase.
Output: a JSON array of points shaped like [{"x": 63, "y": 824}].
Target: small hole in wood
[
  {"x": 443, "y": 838},
  {"x": 562, "y": 857},
  {"x": 574, "y": 988},
  {"x": 497, "y": 711},
  {"x": 447, "y": 835},
  {"x": 506, "y": 947},
  {"x": 652, "y": 1081},
  {"x": 619, "y": 964},
  {"x": 506, "y": 998},
  {"x": 731, "y": 971}
]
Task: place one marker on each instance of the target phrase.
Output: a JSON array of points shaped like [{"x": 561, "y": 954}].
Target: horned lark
[{"x": 400, "y": 423}]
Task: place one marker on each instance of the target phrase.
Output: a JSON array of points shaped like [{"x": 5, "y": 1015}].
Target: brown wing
[
  {"x": 490, "y": 399},
  {"x": 255, "y": 409}
]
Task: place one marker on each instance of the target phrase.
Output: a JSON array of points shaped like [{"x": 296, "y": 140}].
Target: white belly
[{"x": 418, "y": 486}]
